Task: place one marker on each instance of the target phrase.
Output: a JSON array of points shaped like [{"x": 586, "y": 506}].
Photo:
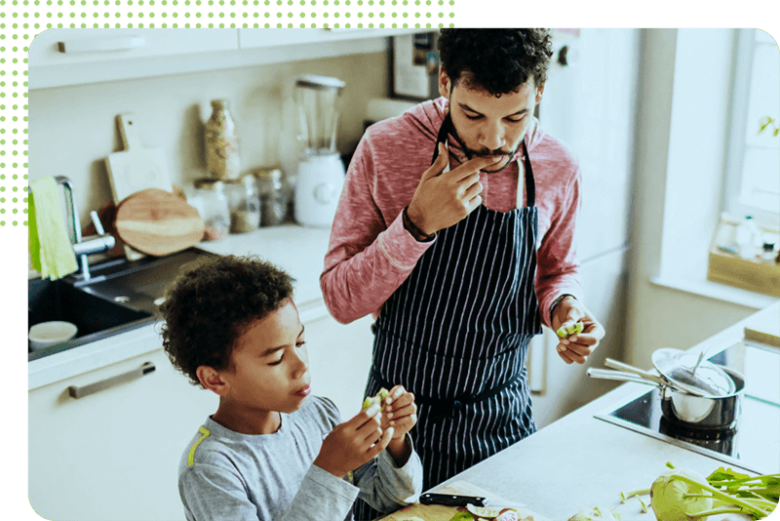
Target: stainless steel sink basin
[{"x": 120, "y": 296}]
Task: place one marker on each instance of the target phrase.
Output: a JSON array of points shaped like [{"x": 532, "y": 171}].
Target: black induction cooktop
[{"x": 754, "y": 444}]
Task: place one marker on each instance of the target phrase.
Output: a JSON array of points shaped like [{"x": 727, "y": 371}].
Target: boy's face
[
  {"x": 270, "y": 365},
  {"x": 487, "y": 125}
]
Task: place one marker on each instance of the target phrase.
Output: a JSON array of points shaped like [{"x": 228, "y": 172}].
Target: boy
[{"x": 271, "y": 451}]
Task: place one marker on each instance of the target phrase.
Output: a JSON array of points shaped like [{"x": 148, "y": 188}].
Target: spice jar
[
  {"x": 273, "y": 196},
  {"x": 212, "y": 204},
  {"x": 244, "y": 204}
]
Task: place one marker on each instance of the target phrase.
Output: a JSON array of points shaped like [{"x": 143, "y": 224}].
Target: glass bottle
[
  {"x": 244, "y": 203},
  {"x": 273, "y": 196},
  {"x": 212, "y": 204},
  {"x": 221, "y": 142}
]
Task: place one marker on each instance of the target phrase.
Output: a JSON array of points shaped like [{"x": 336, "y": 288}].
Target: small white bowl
[{"x": 51, "y": 333}]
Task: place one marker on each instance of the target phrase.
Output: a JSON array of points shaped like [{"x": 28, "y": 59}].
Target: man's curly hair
[
  {"x": 211, "y": 303},
  {"x": 498, "y": 61}
]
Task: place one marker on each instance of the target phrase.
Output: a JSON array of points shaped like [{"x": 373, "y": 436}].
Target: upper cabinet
[
  {"x": 64, "y": 57},
  {"x": 69, "y": 46},
  {"x": 60, "y": 57},
  {"x": 254, "y": 38}
]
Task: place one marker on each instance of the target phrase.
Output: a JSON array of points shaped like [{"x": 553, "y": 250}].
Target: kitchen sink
[{"x": 120, "y": 295}]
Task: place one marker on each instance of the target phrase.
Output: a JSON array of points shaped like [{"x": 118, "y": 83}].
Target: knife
[{"x": 454, "y": 500}]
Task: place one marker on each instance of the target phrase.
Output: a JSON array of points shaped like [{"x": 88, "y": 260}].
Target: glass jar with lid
[
  {"x": 244, "y": 204},
  {"x": 273, "y": 196},
  {"x": 212, "y": 205}
]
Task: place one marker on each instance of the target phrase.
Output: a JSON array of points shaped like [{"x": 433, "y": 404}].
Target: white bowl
[{"x": 51, "y": 333}]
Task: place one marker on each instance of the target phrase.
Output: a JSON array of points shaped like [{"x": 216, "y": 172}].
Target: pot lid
[{"x": 692, "y": 370}]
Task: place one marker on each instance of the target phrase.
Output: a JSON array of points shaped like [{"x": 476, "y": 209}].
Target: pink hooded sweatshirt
[{"x": 371, "y": 253}]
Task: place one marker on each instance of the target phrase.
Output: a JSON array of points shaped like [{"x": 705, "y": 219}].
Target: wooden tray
[{"x": 444, "y": 513}]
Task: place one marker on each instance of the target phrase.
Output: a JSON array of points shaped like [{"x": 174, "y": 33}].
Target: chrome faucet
[{"x": 83, "y": 246}]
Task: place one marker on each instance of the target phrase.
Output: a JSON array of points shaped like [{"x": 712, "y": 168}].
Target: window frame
[{"x": 730, "y": 199}]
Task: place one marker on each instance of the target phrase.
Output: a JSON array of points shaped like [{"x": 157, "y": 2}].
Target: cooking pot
[{"x": 682, "y": 408}]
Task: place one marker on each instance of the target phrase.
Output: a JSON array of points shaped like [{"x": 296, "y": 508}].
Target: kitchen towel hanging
[{"x": 50, "y": 248}]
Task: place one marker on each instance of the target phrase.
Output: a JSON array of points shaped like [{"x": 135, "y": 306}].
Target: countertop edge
[{"x": 291, "y": 247}]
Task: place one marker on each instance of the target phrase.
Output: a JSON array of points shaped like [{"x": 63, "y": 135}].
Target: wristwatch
[
  {"x": 417, "y": 233},
  {"x": 558, "y": 301}
]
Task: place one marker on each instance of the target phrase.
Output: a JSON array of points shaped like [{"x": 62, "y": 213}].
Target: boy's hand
[
  {"x": 400, "y": 412},
  {"x": 353, "y": 443}
]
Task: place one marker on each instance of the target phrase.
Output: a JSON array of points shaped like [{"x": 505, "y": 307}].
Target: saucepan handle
[
  {"x": 647, "y": 375},
  {"x": 606, "y": 374}
]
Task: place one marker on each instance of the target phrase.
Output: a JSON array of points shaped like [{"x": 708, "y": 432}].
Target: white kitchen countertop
[
  {"x": 579, "y": 462},
  {"x": 299, "y": 251}
]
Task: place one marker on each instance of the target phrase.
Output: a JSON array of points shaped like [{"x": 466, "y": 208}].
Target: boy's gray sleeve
[
  {"x": 321, "y": 496},
  {"x": 210, "y": 493},
  {"x": 387, "y": 487}
]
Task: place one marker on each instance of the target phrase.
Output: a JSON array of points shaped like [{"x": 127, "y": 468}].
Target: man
[{"x": 463, "y": 256}]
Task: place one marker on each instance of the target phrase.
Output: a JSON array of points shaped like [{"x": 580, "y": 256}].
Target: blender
[{"x": 320, "y": 169}]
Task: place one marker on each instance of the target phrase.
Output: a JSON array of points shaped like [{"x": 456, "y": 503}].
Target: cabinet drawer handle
[
  {"x": 102, "y": 45},
  {"x": 84, "y": 390}
]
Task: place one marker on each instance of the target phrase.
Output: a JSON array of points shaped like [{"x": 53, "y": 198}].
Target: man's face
[{"x": 487, "y": 125}]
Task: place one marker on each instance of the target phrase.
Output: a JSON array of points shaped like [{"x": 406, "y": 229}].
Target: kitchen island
[{"x": 579, "y": 461}]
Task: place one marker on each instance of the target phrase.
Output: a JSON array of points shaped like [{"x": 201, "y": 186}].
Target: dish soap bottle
[
  {"x": 747, "y": 235},
  {"x": 222, "y": 157}
]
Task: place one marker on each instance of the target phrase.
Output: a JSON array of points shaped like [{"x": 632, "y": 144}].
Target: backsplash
[{"x": 73, "y": 129}]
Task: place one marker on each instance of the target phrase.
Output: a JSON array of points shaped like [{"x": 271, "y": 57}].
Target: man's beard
[{"x": 471, "y": 154}]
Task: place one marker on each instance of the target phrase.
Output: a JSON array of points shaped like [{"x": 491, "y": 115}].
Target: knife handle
[{"x": 451, "y": 500}]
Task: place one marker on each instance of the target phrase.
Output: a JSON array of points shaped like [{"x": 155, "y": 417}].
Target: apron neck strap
[
  {"x": 444, "y": 131},
  {"x": 530, "y": 188}
]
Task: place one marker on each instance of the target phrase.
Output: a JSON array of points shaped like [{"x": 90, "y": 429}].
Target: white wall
[
  {"x": 591, "y": 107},
  {"x": 72, "y": 129}
]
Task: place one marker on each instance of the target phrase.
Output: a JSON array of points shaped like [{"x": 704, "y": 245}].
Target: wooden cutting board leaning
[
  {"x": 158, "y": 222},
  {"x": 135, "y": 168},
  {"x": 445, "y": 513}
]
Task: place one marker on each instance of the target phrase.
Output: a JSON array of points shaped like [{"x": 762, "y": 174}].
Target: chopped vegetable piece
[
  {"x": 483, "y": 511},
  {"x": 507, "y": 515},
  {"x": 594, "y": 514},
  {"x": 573, "y": 329},
  {"x": 379, "y": 399},
  {"x": 462, "y": 516}
]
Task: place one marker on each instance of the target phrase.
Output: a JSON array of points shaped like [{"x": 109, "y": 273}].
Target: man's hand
[
  {"x": 353, "y": 443},
  {"x": 443, "y": 200},
  {"x": 576, "y": 348}
]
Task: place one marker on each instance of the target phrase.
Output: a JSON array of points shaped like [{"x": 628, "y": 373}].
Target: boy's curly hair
[
  {"x": 210, "y": 305},
  {"x": 496, "y": 60}
]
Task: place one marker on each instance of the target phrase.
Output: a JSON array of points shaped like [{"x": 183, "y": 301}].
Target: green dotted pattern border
[{"x": 22, "y": 20}]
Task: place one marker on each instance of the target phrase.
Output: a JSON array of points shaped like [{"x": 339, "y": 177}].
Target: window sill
[{"x": 716, "y": 291}]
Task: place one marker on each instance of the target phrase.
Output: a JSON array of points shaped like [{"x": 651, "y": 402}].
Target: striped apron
[{"x": 456, "y": 334}]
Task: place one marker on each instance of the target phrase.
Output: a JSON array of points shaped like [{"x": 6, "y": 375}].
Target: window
[{"x": 753, "y": 177}]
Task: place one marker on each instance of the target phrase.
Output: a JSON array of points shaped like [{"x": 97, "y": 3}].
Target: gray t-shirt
[{"x": 225, "y": 475}]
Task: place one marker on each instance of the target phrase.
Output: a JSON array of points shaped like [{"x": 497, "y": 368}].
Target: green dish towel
[{"x": 50, "y": 249}]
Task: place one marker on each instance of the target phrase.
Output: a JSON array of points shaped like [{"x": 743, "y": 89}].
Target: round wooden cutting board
[{"x": 158, "y": 223}]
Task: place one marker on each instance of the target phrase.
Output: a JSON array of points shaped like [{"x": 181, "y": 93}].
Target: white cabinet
[
  {"x": 60, "y": 57},
  {"x": 71, "y": 46},
  {"x": 101, "y": 55},
  {"x": 253, "y": 38},
  {"x": 113, "y": 455}
]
